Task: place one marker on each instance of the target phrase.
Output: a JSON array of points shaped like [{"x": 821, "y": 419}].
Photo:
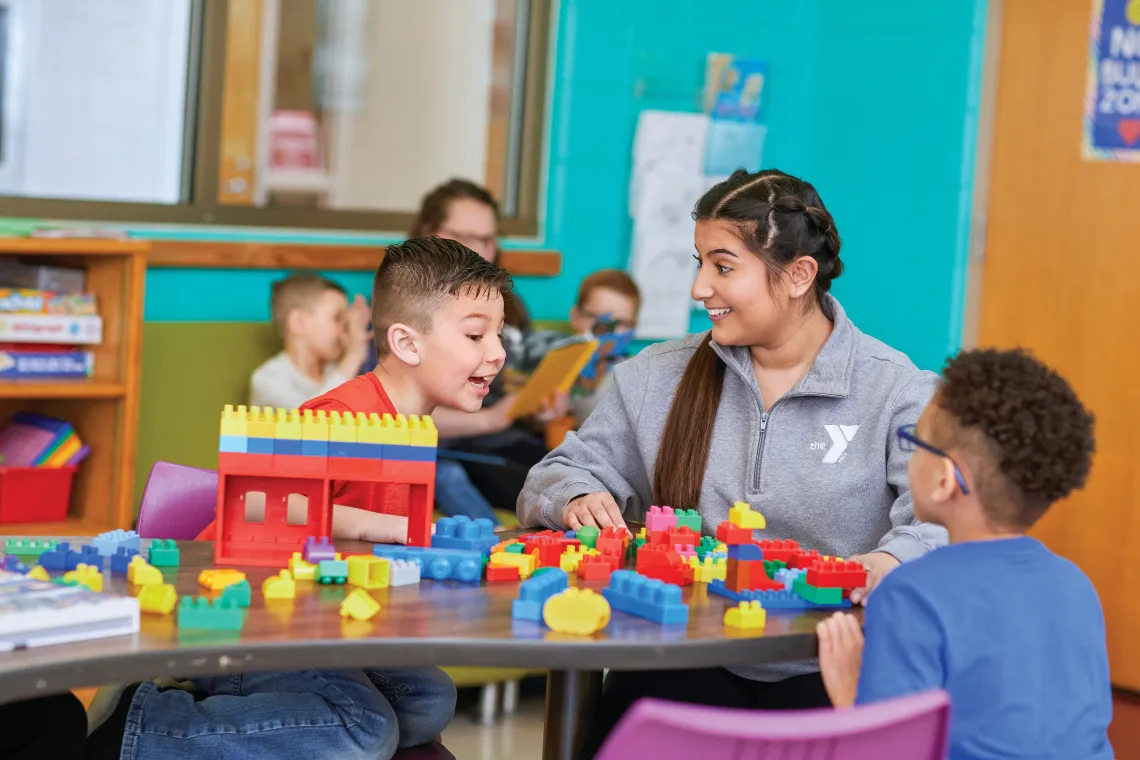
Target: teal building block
[
  {"x": 26, "y": 547},
  {"x": 332, "y": 571},
  {"x": 815, "y": 594},
  {"x": 201, "y": 613},
  {"x": 588, "y": 535},
  {"x": 239, "y": 593},
  {"x": 689, "y": 518},
  {"x": 163, "y": 552}
]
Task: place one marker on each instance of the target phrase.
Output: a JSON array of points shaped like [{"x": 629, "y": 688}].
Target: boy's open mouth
[{"x": 481, "y": 384}]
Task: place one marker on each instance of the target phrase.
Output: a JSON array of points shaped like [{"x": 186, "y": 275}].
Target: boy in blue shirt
[{"x": 1014, "y": 633}]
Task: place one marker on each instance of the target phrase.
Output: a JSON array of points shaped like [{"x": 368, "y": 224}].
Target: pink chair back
[
  {"x": 178, "y": 501},
  {"x": 915, "y": 727}
]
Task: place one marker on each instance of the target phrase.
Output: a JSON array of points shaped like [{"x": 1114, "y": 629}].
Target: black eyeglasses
[{"x": 909, "y": 441}]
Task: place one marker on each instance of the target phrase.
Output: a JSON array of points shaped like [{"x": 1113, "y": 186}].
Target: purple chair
[
  {"x": 178, "y": 501},
  {"x": 915, "y": 727}
]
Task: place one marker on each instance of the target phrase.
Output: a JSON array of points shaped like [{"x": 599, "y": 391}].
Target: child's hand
[
  {"x": 840, "y": 657},
  {"x": 878, "y": 564},
  {"x": 556, "y": 406},
  {"x": 598, "y": 509},
  {"x": 361, "y": 525}
]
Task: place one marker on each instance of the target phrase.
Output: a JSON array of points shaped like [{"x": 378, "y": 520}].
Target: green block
[
  {"x": 26, "y": 547},
  {"x": 634, "y": 545},
  {"x": 201, "y": 613},
  {"x": 515, "y": 548},
  {"x": 817, "y": 595},
  {"x": 540, "y": 571},
  {"x": 61, "y": 582},
  {"x": 707, "y": 544},
  {"x": 689, "y": 518},
  {"x": 239, "y": 593},
  {"x": 163, "y": 552},
  {"x": 588, "y": 535},
  {"x": 332, "y": 571},
  {"x": 772, "y": 565}
]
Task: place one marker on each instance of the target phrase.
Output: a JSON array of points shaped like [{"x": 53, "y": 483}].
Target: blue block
[
  {"x": 399, "y": 453},
  {"x": 356, "y": 450},
  {"x": 437, "y": 564},
  {"x": 232, "y": 444},
  {"x": 571, "y": 534},
  {"x": 56, "y": 559},
  {"x": 773, "y": 600},
  {"x": 259, "y": 445},
  {"x": 87, "y": 555},
  {"x": 341, "y": 449},
  {"x": 534, "y": 591},
  {"x": 315, "y": 448},
  {"x": 464, "y": 533},
  {"x": 287, "y": 446},
  {"x": 649, "y": 598},
  {"x": 121, "y": 560},
  {"x": 788, "y": 575},
  {"x": 109, "y": 542},
  {"x": 13, "y": 564},
  {"x": 745, "y": 552}
]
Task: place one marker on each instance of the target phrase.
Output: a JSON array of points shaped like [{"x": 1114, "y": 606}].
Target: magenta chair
[{"x": 914, "y": 727}]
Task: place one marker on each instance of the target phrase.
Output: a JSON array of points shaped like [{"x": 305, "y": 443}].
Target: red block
[
  {"x": 837, "y": 574},
  {"x": 502, "y": 573},
  {"x": 664, "y": 563},
  {"x": 548, "y": 549},
  {"x": 595, "y": 567},
  {"x": 677, "y": 536},
  {"x": 727, "y": 533},
  {"x": 779, "y": 549},
  {"x": 803, "y": 560},
  {"x": 612, "y": 540}
]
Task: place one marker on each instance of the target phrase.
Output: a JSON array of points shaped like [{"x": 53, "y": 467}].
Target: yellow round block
[{"x": 579, "y": 611}]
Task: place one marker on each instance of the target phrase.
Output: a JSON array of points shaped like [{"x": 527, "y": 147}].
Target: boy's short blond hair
[
  {"x": 609, "y": 279},
  {"x": 297, "y": 291}
]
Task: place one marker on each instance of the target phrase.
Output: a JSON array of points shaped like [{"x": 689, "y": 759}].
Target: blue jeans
[
  {"x": 311, "y": 714},
  {"x": 456, "y": 495}
]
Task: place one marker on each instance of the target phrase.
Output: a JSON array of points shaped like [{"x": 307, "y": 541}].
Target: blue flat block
[
  {"x": 259, "y": 445},
  {"x": 356, "y": 450},
  {"x": 109, "y": 542},
  {"x": 649, "y": 598},
  {"x": 462, "y": 532},
  {"x": 437, "y": 564},
  {"x": 399, "y": 453},
  {"x": 745, "y": 552},
  {"x": 56, "y": 559},
  {"x": 773, "y": 600},
  {"x": 315, "y": 448},
  {"x": 287, "y": 446},
  {"x": 232, "y": 444},
  {"x": 121, "y": 559},
  {"x": 13, "y": 564},
  {"x": 534, "y": 591}
]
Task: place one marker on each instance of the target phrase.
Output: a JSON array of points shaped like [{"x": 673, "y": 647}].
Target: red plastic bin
[{"x": 35, "y": 494}]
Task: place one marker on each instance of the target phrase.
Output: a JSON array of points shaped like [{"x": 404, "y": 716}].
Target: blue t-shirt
[{"x": 1015, "y": 635}]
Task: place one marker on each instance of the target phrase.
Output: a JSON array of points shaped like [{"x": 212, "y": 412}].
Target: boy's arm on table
[
  {"x": 602, "y": 456},
  {"x": 355, "y": 524}
]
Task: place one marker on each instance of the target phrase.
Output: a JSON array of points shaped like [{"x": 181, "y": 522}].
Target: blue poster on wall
[{"x": 1112, "y": 101}]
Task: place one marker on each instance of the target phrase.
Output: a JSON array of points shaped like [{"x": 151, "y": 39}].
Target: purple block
[{"x": 317, "y": 550}]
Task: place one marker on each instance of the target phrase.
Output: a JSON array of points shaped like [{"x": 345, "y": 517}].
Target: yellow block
[
  {"x": 721, "y": 547},
  {"x": 641, "y": 533},
  {"x": 368, "y": 572},
  {"x": 262, "y": 422},
  {"x": 342, "y": 428},
  {"x": 142, "y": 574},
  {"x": 579, "y": 611},
  {"x": 314, "y": 425},
  {"x": 742, "y": 516},
  {"x": 86, "y": 575},
  {"x": 359, "y": 605},
  {"x": 158, "y": 598},
  {"x": 302, "y": 570},
  {"x": 526, "y": 563},
  {"x": 747, "y": 615},
  {"x": 39, "y": 574},
  {"x": 234, "y": 421},
  {"x": 280, "y": 586},
  {"x": 394, "y": 430},
  {"x": 368, "y": 428},
  {"x": 572, "y": 556},
  {"x": 422, "y": 432},
  {"x": 287, "y": 425},
  {"x": 713, "y": 568},
  {"x": 217, "y": 579}
]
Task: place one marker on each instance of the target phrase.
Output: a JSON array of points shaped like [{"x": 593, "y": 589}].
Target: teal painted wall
[{"x": 874, "y": 102}]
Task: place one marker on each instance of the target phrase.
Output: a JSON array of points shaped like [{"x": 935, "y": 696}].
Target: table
[{"x": 434, "y": 623}]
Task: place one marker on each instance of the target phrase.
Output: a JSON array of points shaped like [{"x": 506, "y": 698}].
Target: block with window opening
[{"x": 276, "y": 468}]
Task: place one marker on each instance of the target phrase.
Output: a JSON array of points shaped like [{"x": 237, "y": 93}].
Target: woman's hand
[
  {"x": 840, "y": 656},
  {"x": 598, "y": 509},
  {"x": 878, "y": 564}
]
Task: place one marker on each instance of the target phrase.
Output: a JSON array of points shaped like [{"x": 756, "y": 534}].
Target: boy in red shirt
[{"x": 437, "y": 313}]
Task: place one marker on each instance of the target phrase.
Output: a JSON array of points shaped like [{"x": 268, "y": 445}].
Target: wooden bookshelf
[{"x": 104, "y": 408}]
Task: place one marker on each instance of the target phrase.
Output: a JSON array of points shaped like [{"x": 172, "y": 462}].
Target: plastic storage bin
[{"x": 35, "y": 494}]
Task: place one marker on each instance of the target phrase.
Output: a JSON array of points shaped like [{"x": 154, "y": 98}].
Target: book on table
[{"x": 36, "y": 613}]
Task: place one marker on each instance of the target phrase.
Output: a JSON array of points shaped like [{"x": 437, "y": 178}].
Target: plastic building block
[
  {"x": 577, "y": 611},
  {"x": 708, "y": 570},
  {"x": 648, "y": 598},
  {"x": 368, "y": 571},
  {"x": 595, "y": 567},
  {"x": 803, "y": 560},
  {"x": 745, "y": 552},
  {"x": 440, "y": 564},
  {"x": 164, "y": 552},
  {"x": 302, "y": 570},
  {"x": 815, "y": 594},
  {"x": 665, "y": 564},
  {"x": 526, "y": 563},
  {"x": 332, "y": 571},
  {"x": 660, "y": 518},
  {"x": 534, "y": 592},
  {"x": 573, "y": 555},
  {"x": 570, "y": 534},
  {"x": 39, "y": 573},
  {"x": 462, "y": 532},
  {"x": 63, "y": 557},
  {"x": 27, "y": 547},
  {"x": 240, "y": 593},
  {"x": 139, "y": 573},
  {"x": 13, "y": 564},
  {"x": 86, "y": 575},
  {"x": 158, "y": 598},
  {"x": 749, "y": 616},
  {"x": 705, "y": 546},
  {"x": 121, "y": 559},
  {"x": 201, "y": 613},
  {"x": 359, "y": 605},
  {"x": 689, "y": 518},
  {"x": 403, "y": 572},
  {"x": 743, "y": 516},
  {"x": 749, "y": 575},
  {"x": 108, "y": 542},
  {"x": 778, "y": 549},
  {"x": 788, "y": 576},
  {"x": 682, "y": 536},
  {"x": 547, "y": 548},
  {"x": 685, "y": 552},
  {"x": 217, "y": 579},
  {"x": 497, "y": 573},
  {"x": 731, "y": 534},
  {"x": 773, "y": 600},
  {"x": 318, "y": 549},
  {"x": 516, "y": 548},
  {"x": 837, "y": 574},
  {"x": 588, "y": 535},
  {"x": 772, "y": 565},
  {"x": 613, "y": 540},
  {"x": 634, "y": 546},
  {"x": 280, "y": 586},
  {"x": 503, "y": 546}
]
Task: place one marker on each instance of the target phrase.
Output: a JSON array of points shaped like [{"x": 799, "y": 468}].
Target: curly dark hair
[{"x": 1025, "y": 433}]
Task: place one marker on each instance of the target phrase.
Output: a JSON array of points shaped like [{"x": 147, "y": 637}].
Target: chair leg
[
  {"x": 510, "y": 697},
  {"x": 488, "y": 704}
]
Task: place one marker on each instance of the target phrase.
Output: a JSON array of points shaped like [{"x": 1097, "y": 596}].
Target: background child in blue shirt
[{"x": 1014, "y": 633}]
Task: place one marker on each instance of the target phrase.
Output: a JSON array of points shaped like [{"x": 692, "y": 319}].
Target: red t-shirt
[{"x": 361, "y": 394}]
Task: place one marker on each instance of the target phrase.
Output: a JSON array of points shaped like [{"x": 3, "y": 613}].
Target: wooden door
[{"x": 1061, "y": 276}]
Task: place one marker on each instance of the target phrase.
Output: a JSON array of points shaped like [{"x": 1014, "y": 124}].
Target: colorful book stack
[
  {"x": 45, "y": 321},
  {"x": 33, "y": 440}
]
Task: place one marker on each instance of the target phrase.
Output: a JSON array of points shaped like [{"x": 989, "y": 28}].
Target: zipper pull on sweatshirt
[{"x": 763, "y": 421}]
